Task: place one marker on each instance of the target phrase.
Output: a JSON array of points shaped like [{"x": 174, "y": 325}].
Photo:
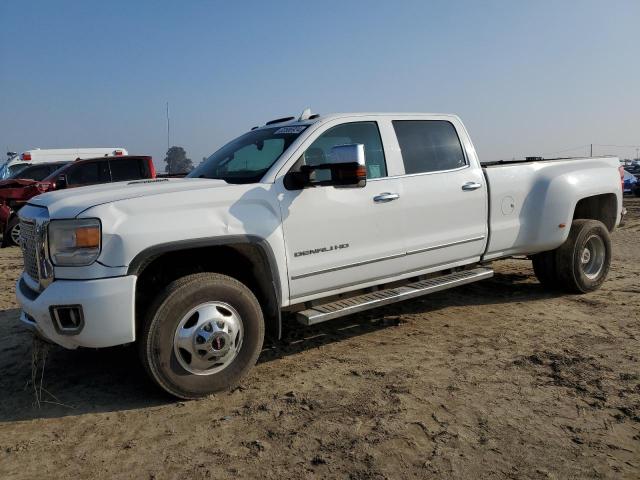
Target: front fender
[{"x": 250, "y": 213}]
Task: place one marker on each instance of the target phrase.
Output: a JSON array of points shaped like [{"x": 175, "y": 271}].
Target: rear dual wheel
[
  {"x": 581, "y": 263},
  {"x": 203, "y": 333}
]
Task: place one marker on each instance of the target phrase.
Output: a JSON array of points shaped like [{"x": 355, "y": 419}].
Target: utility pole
[{"x": 168, "y": 127}]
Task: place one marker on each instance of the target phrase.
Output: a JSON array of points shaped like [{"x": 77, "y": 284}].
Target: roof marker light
[{"x": 306, "y": 113}]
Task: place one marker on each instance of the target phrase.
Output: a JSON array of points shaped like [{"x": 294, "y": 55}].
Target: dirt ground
[{"x": 499, "y": 379}]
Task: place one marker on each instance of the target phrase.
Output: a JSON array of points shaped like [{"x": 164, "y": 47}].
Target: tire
[
  {"x": 544, "y": 267},
  {"x": 11, "y": 233},
  {"x": 584, "y": 259},
  {"x": 217, "y": 302}
]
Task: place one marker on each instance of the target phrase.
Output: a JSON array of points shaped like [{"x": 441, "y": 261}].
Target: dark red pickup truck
[{"x": 16, "y": 193}]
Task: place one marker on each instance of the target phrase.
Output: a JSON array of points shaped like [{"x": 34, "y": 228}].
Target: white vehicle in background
[
  {"x": 318, "y": 217},
  {"x": 16, "y": 162}
]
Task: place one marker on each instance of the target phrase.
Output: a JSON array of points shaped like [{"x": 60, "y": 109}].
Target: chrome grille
[{"x": 28, "y": 242}]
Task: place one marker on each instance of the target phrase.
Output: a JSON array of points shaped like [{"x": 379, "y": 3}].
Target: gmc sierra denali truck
[{"x": 316, "y": 217}]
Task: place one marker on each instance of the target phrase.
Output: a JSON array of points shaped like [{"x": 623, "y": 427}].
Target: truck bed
[{"x": 532, "y": 203}]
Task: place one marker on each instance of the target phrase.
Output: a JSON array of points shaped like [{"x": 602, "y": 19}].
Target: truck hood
[{"x": 70, "y": 202}]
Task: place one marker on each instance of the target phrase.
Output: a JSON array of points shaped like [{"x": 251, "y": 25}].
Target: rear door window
[
  {"x": 128, "y": 169},
  {"x": 429, "y": 145},
  {"x": 88, "y": 173}
]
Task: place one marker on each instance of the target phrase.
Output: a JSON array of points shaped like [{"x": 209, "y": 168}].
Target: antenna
[{"x": 168, "y": 130}]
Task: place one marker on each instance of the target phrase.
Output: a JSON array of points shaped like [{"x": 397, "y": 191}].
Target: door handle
[
  {"x": 467, "y": 187},
  {"x": 386, "y": 197}
]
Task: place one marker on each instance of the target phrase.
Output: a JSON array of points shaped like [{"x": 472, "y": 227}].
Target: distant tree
[{"x": 177, "y": 161}]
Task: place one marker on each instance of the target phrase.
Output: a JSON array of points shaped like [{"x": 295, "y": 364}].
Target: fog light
[{"x": 67, "y": 319}]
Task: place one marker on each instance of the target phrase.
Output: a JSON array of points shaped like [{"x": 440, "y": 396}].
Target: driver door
[{"x": 338, "y": 239}]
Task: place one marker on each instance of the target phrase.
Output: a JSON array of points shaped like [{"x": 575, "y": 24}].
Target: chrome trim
[
  {"x": 444, "y": 245},
  {"x": 45, "y": 267},
  {"x": 386, "y": 197},
  {"x": 407, "y": 175},
  {"x": 41, "y": 251},
  {"x": 27, "y": 244},
  {"x": 470, "y": 186},
  {"x": 349, "y": 265},
  {"x": 391, "y": 278},
  {"x": 390, "y": 257}
]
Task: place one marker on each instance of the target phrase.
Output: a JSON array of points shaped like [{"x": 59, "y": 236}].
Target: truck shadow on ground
[
  {"x": 91, "y": 381},
  {"x": 502, "y": 288}
]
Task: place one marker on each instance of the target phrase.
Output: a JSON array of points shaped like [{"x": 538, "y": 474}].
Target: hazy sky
[{"x": 527, "y": 77}]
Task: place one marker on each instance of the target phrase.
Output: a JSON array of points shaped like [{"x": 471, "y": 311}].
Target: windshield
[
  {"x": 247, "y": 158},
  {"x": 14, "y": 170},
  {"x": 4, "y": 169}
]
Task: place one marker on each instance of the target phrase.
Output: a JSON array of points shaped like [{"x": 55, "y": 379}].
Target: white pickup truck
[{"x": 317, "y": 217}]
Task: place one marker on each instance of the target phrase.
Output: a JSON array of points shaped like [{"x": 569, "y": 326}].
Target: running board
[{"x": 340, "y": 308}]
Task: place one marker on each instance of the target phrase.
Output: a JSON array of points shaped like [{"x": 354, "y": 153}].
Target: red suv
[{"x": 16, "y": 193}]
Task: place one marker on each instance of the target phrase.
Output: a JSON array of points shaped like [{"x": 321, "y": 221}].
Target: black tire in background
[
  {"x": 584, "y": 259},
  {"x": 10, "y": 233},
  {"x": 156, "y": 343}
]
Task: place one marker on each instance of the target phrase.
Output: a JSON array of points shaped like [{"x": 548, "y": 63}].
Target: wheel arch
[
  {"x": 247, "y": 258},
  {"x": 602, "y": 207},
  {"x": 6, "y": 233}
]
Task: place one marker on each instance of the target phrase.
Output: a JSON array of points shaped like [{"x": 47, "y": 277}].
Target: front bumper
[{"x": 108, "y": 307}]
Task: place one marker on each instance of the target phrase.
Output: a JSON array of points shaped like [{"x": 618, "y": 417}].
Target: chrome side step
[{"x": 340, "y": 308}]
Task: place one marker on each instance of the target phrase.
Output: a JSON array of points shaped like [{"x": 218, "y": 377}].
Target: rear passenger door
[{"x": 444, "y": 194}]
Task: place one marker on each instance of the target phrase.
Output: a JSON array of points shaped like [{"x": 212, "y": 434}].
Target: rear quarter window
[{"x": 129, "y": 169}]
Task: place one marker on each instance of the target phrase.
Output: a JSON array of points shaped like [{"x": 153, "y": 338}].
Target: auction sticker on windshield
[{"x": 289, "y": 130}]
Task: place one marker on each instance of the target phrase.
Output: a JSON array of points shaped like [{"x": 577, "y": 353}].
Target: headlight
[{"x": 74, "y": 242}]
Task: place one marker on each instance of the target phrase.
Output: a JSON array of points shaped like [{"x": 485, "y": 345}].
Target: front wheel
[
  {"x": 202, "y": 335},
  {"x": 583, "y": 260}
]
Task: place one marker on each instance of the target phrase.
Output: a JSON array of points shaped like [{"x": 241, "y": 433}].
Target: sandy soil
[{"x": 499, "y": 379}]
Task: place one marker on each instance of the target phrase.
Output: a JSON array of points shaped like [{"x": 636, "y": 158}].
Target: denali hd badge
[{"x": 320, "y": 250}]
